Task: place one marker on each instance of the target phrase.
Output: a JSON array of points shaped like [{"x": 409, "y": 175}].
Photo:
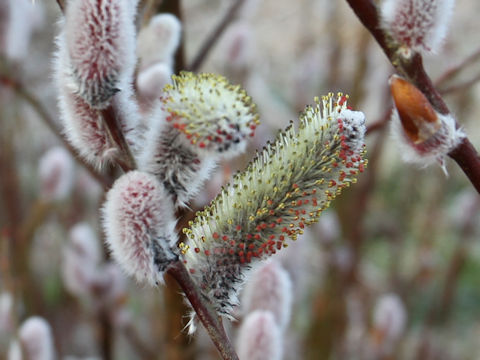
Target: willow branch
[
  {"x": 204, "y": 311},
  {"x": 110, "y": 117},
  {"x": 412, "y": 68},
  {"x": 215, "y": 35}
]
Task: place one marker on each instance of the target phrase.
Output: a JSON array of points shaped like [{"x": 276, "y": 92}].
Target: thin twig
[
  {"x": 412, "y": 68},
  {"x": 204, "y": 311},
  {"x": 455, "y": 70},
  {"x": 461, "y": 86},
  {"x": 48, "y": 120},
  {"x": 215, "y": 35}
]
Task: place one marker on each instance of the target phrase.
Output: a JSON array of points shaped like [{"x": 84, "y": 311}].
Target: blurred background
[{"x": 391, "y": 271}]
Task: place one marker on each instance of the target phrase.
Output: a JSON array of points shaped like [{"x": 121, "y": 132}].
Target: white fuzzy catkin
[
  {"x": 139, "y": 224},
  {"x": 83, "y": 124},
  {"x": 158, "y": 41},
  {"x": 6, "y": 313},
  {"x": 283, "y": 190},
  {"x": 269, "y": 288},
  {"x": 390, "y": 317},
  {"x": 236, "y": 46},
  {"x": 56, "y": 170},
  {"x": 431, "y": 151},
  {"x": 260, "y": 337},
  {"x": 36, "y": 339},
  {"x": 18, "y": 20},
  {"x": 180, "y": 169},
  {"x": 420, "y": 25},
  {"x": 152, "y": 80},
  {"x": 100, "y": 41},
  {"x": 81, "y": 257}
]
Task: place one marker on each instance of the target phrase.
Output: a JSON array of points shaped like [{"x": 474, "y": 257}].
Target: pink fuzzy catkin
[
  {"x": 259, "y": 337},
  {"x": 420, "y": 25},
  {"x": 269, "y": 288},
  {"x": 94, "y": 69},
  {"x": 100, "y": 38},
  {"x": 139, "y": 225}
]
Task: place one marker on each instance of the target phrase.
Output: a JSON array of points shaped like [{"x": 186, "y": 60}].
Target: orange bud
[{"x": 418, "y": 118}]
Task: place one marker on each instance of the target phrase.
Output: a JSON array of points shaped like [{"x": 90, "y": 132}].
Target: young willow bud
[
  {"x": 215, "y": 116},
  {"x": 139, "y": 224},
  {"x": 389, "y": 320},
  {"x": 55, "y": 170},
  {"x": 424, "y": 135},
  {"x": 81, "y": 257},
  {"x": 283, "y": 190},
  {"x": 100, "y": 38},
  {"x": 36, "y": 339},
  {"x": 152, "y": 80},
  {"x": 260, "y": 338},
  {"x": 420, "y": 25},
  {"x": 269, "y": 288},
  {"x": 158, "y": 41}
]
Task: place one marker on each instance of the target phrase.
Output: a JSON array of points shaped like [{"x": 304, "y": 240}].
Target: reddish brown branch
[
  {"x": 215, "y": 35},
  {"x": 126, "y": 160},
  {"x": 412, "y": 68},
  {"x": 61, "y": 5},
  {"x": 467, "y": 158},
  {"x": 204, "y": 311}
]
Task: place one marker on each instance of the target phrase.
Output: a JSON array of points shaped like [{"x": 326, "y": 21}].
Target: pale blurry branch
[
  {"x": 455, "y": 70},
  {"x": 144, "y": 351},
  {"x": 462, "y": 86},
  {"x": 215, "y": 35},
  {"x": 412, "y": 68},
  {"x": 379, "y": 124},
  {"x": 40, "y": 109}
]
